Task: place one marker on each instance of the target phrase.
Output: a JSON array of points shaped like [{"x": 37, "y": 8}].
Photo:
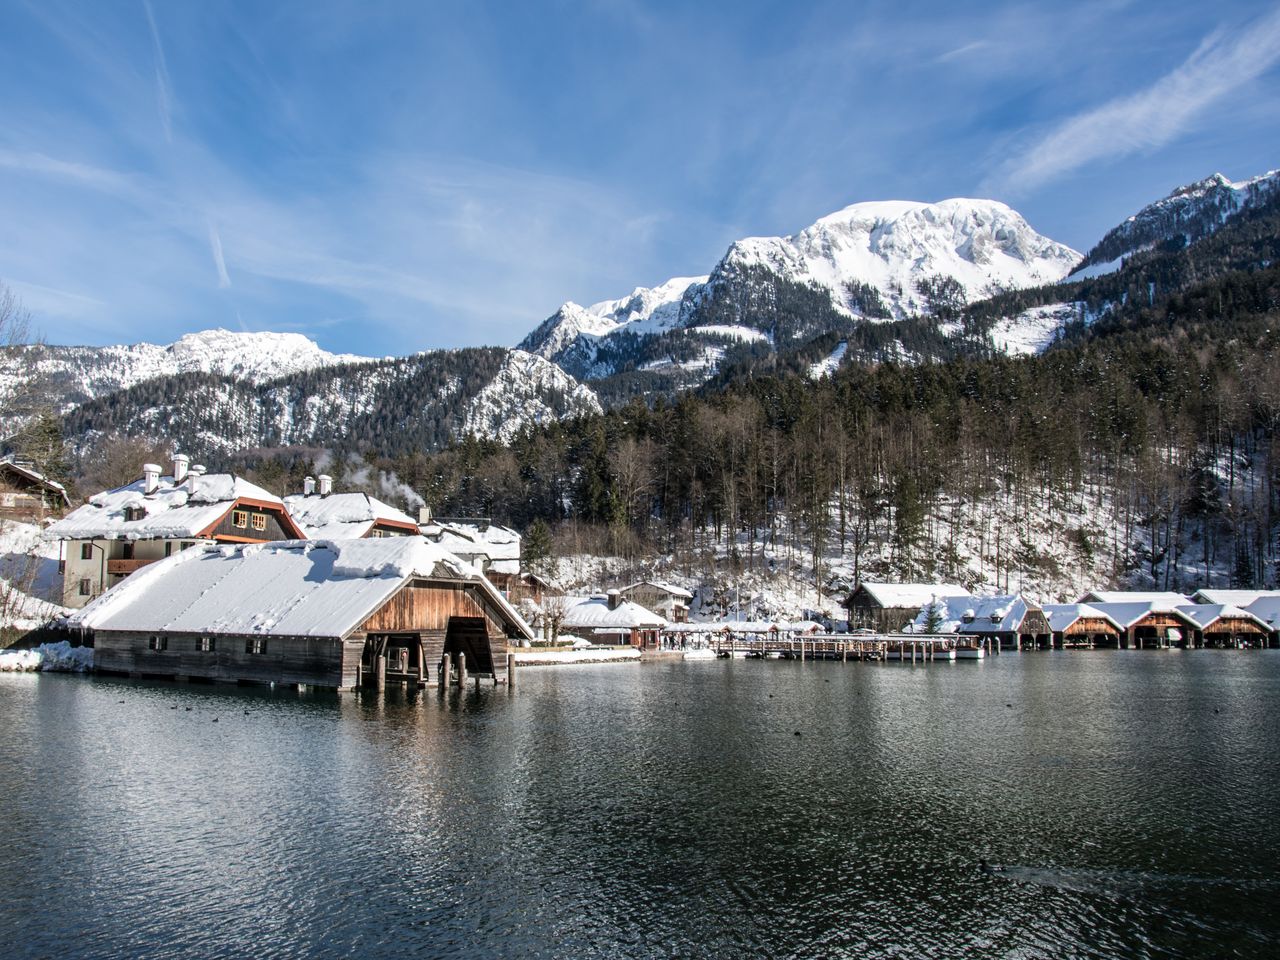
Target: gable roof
[
  {"x": 172, "y": 510},
  {"x": 1062, "y": 615},
  {"x": 30, "y": 475},
  {"x": 1009, "y": 610},
  {"x": 313, "y": 588},
  {"x": 1126, "y": 614},
  {"x": 1266, "y": 609},
  {"x": 1238, "y": 598},
  {"x": 661, "y": 586},
  {"x": 1164, "y": 600},
  {"x": 1204, "y": 615},
  {"x": 344, "y": 516},
  {"x": 593, "y": 613},
  {"x": 910, "y": 594}
]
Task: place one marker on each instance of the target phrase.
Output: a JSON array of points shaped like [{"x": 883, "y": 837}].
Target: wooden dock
[{"x": 902, "y": 647}]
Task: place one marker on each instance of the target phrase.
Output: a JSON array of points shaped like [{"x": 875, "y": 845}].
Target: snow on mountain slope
[
  {"x": 869, "y": 262},
  {"x": 1191, "y": 213},
  {"x": 645, "y": 310},
  {"x": 527, "y": 390},
  {"x": 78, "y": 374},
  {"x": 903, "y": 250}
]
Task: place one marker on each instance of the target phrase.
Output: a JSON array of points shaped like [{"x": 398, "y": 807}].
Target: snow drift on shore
[{"x": 59, "y": 657}]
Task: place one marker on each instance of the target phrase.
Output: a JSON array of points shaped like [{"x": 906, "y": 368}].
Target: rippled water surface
[{"x": 1131, "y": 798}]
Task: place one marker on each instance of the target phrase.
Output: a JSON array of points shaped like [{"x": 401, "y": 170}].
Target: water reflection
[{"x": 655, "y": 811}]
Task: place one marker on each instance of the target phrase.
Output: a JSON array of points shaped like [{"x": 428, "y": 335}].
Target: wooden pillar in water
[
  {"x": 460, "y": 667},
  {"x": 443, "y": 678},
  {"x": 422, "y": 666},
  {"x": 511, "y": 671},
  {"x": 380, "y": 673}
]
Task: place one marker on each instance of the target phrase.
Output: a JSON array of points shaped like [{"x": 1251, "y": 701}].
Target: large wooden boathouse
[{"x": 322, "y": 613}]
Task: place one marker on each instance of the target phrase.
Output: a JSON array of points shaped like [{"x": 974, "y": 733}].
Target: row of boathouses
[{"x": 1120, "y": 619}]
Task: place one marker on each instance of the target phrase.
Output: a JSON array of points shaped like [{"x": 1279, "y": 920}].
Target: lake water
[{"x": 663, "y": 810}]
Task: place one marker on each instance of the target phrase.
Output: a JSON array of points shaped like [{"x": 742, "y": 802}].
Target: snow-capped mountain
[
  {"x": 870, "y": 262},
  {"x": 1188, "y": 214},
  {"x": 647, "y": 310},
  {"x": 78, "y": 374},
  {"x": 912, "y": 255}
]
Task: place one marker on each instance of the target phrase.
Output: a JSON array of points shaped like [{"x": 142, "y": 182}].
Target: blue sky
[{"x": 391, "y": 177}]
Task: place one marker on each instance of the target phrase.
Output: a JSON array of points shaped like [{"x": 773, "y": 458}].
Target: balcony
[{"x": 122, "y": 568}]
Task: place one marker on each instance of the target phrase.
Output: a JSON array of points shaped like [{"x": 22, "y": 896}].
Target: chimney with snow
[
  {"x": 180, "y": 461},
  {"x": 150, "y": 478},
  {"x": 308, "y": 486},
  {"x": 614, "y": 599},
  {"x": 193, "y": 476},
  {"x": 326, "y": 484}
]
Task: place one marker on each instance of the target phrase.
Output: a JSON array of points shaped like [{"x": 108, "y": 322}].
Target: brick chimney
[{"x": 614, "y": 599}]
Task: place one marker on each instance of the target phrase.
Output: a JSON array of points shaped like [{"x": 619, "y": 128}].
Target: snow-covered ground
[
  {"x": 830, "y": 363},
  {"x": 60, "y": 657},
  {"x": 29, "y": 577}
]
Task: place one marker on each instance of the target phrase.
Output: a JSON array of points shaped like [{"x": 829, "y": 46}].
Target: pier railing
[{"x": 882, "y": 646}]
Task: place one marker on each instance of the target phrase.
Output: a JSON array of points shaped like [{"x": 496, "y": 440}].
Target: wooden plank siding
[{"x": 309, "y": 660}]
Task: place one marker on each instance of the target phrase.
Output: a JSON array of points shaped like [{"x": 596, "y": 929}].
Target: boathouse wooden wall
[{"x": 309, "y": 660}]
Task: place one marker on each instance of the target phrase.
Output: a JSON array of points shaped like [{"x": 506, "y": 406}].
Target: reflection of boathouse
[{"x": 317, "y": 613}]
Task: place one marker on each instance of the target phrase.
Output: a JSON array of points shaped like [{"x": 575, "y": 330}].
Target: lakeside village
[{"x": 198, "y": 576}]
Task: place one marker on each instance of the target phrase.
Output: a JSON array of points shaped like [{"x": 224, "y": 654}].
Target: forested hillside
[{"x": 1141, "y": 450}]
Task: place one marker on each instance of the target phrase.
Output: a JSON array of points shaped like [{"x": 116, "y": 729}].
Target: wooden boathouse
[
  {"x": 888, "y": 607},
  {"x": 336, "y": 614}
]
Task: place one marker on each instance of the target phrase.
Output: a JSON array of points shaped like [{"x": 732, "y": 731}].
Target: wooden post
[
  {"x": 511, "y": 671},
  {"x": 422, "y": 666},
  {"x": 380, "y": 673},
  {"x": 443, "y": 679},
  {"x": 460, "y": 667},
  {"x": 802, "y": 649}
]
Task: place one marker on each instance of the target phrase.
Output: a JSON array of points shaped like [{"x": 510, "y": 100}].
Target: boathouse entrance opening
[
  {"x": 470, "y": 637},
  {"x": 405, "y": 658}
]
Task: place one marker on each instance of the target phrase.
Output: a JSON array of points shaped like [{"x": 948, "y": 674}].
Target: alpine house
[{"x": 119, "y": 531}]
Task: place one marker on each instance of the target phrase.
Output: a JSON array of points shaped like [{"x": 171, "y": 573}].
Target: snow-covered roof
[
  {"x": 1128, "y": 613},
  {"x": 1009, "y": 611},
  {"x": 1164, "y": 600},
  {"x": 344, "y": 516},
  {"x": 172, "y": 510},
  {"x": 1237, "y": 598},
  {"x": 499, "y": 542},
  {"x": 314, "y": 588},
  {"x": 587, "y": 613},
  {"x": 1062, "y": 615},
  {"x": 1266, "y": 609},
  {"x": 36, "y": 477},
  {"x": 1204, "y": 615},
  {"x": 911, "y": 594},
  {"x": 662, "y": 586}
]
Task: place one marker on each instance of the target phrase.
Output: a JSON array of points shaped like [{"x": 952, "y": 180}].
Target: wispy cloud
[
  {"x": 215, "y": 247},
  {"x": 1151, "y": 118},
  {"x": 963, "y": 50},
  {"x": 164, "y": 89}
]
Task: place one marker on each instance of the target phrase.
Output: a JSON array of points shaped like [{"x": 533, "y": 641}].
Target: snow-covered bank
[
  {"x": 537, "y": 658},
  {"x": 59, "y": 657}
]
